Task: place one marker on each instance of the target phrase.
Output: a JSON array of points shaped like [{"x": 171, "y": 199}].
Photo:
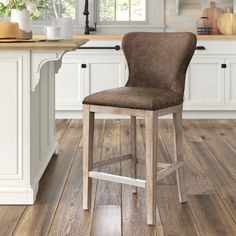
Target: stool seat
[{"x": 143, "y": 98}]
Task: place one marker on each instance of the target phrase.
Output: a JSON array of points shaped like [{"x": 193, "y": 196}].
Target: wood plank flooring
[{"x": 210, "y": 155}]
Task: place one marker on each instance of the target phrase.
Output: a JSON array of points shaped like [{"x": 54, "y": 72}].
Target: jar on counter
[{"x": 204, "y": 26}]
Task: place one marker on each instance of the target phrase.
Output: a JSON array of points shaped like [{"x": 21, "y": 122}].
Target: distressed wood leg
[
  {"x": 88, "y": 133},
  {"x": 151, "y": 162},
  {"x": 133, "y": 150},
  {"x": 178, "y": 142}
]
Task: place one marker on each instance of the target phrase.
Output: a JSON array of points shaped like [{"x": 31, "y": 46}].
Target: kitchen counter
[
  {"x": 120, "y": 36},
  {"x": 216, "y": 37},
  {"x": 100, "y": 36},
  {"x": 66, "y": 45}
]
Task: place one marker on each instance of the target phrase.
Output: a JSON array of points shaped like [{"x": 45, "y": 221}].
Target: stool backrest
[{"x": 158, "y": 60}]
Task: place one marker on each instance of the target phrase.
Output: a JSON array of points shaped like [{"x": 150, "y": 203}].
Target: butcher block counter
[
  {"x": 216, "y": 37},
  {"x": 120, "y": 36},
  {"x": 42, "y": 44},
  {"x": 27, "y": 119}
]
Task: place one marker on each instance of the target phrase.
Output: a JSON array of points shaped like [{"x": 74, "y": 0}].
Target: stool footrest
[
  {"x": 159, "y": 165},
  {"x": 117, "y": 179},
  {"x": 135, "y": 182},
  {"x": 168, "y": 170},
  {"x": 112, "y": 160}
]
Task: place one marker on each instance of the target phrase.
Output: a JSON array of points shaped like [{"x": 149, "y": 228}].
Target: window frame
[
  {"x": 38, "y": 23},
  {"x": 118, "y": 23}
]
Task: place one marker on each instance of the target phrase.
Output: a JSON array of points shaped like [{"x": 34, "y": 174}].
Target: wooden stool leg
[
  {"x": 151, "y": 163},
  {"x": 133, "y": 150},
  {"x": 178, "y": 142},
  {"x": 88, "y": 133}
]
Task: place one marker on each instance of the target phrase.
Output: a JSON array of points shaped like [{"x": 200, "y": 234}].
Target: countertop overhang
[{"x": 63, "y": 45}]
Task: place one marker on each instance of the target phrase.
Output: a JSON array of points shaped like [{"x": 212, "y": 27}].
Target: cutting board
[{"x": 212, "y": 13}]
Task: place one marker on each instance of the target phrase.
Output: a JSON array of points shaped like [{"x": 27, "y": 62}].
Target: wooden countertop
[
  {"x": 100, "y": 36},
  {"x": 216, "y": 37},
  {"x": 65, "y": 45},
  {"x": 120, "y": 36},
  {"x": 79, "y": 40}
]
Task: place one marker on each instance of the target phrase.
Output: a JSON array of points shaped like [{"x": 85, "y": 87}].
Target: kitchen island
[{"x": 27, "y": 118}]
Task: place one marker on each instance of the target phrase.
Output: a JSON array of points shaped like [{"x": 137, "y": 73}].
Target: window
[
  {"x": 112, "y": 16},
  {"x": 121, "y": 11},
  {"x": 60, "y": 8}
]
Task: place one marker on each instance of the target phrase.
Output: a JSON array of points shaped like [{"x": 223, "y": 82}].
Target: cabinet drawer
[{"x": 215, "y": 47}]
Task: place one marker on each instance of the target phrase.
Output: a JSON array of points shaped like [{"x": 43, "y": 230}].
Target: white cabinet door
[
  {"x": 81, "y": 75},
  {"x": 104, "y": 72},
  {"x": 70, "y": 84},
  {"x": 204, "y": 84},
  {"x": 230, "y": 82}
]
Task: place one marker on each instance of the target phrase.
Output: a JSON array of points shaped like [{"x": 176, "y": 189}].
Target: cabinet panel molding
[
  {"x": 82, "y": 75},
  {"x": 11, "y": 119},
  {"x": 230, "y": 82},
  {"x": 70, "y": 84},
  {"x": 205, "y": 83}
]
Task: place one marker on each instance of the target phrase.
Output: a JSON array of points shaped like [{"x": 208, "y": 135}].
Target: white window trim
[
  {"x": 146, "y": 22},
  {"x": 156, "y": 19}
]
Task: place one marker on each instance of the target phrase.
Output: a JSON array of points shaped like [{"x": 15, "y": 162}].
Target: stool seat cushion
[{"x": 143, "y": 98}]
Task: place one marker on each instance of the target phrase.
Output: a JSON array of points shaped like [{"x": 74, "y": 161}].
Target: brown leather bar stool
[{"x": 157, "y": 67}]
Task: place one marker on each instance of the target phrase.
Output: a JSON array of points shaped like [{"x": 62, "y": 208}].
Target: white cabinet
[
  {"x": 82, "y": 75},
  {"x": 104, "y": 72},
  {"x": 205, "y": 84},
  {"x": 69, "y": 84},
  {"x": 210, "y": 90},
  {"x": 211, "y": 84},
  {"x": 230, "y": 82}
]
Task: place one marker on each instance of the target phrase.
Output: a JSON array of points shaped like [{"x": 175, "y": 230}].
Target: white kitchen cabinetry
[
  {"x": 104, "y": 73},
  {"x": 205, "y": 84},
  {"x": 27, "y": 119},
  {"x": 83, "y": 73},
  {"x": 69, "y": 84},
  {"x": 210, "y": 90}
]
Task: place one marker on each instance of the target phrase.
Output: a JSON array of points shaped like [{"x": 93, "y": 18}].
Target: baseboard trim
[
  {"x": 26, "y": 195},
  {"x": 43, "y": 167},
  {"x": 18, "y": 196},
  {"x": 186, "y": 115}
]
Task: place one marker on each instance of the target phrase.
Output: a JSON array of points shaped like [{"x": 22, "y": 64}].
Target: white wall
[{"x": 189, "y": 12}]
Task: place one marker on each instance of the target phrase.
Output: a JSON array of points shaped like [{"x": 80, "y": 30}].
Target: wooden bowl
[{"x": 9, "y": 30}]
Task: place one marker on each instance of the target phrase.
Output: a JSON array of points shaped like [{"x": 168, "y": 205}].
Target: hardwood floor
[{"x": 210, "y": 155}]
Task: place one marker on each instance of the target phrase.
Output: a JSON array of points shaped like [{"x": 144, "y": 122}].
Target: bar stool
[{"x": 157, "y": 65}]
